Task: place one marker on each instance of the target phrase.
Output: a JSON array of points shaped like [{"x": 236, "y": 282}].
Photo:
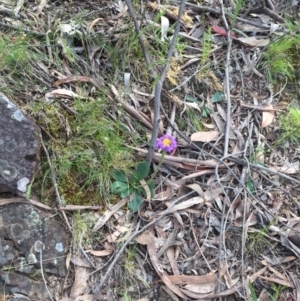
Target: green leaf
[
  {"x": 118, "y": 187},
  {"x": 250, "y": 186},
  {"x": 191, "y": 98},
  {"x": 135, "y": 203},
  {"x": 126, "y": 192},
  {"x": 119, "y": 175},
  {"x": 206, "y": 112},
  {"x": 217, "y": 97},
  {"x": 142, "y": 170},
  {"x": 253, "y": 295},
  {"x": 151, "y": 187}
]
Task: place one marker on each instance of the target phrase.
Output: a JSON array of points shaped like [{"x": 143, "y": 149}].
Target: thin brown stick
[
  {"x": 159, "y": 85},
  {"x": 141, "y": 41},
  {"x": 227, "y": 78}
]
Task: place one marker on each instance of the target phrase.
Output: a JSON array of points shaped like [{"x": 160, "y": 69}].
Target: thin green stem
[{"x": 158, "y": 166}]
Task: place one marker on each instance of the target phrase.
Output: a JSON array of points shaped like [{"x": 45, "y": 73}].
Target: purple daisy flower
[{"x": 166, "y": 143}]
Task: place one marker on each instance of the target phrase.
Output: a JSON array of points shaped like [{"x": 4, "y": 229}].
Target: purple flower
[{"x": 166, "y": 143}]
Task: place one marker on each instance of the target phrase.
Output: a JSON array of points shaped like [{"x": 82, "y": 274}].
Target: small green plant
[
  {"x": 130, "y": 267},
  {"x": 252, "y": 292},
  {"x": 258, "y": 240},
  {"x": 206, "y": 46},
  {"x": 82, "y": 225},
  {"x": 85, "y": 149},
  {"x": 277, "y": 291},
  {"x": 194, "y": 117},
  {"x": 238, "y": 6},
  {"x": 14, "y": 52},
  {"x": 127, "y": 296},
  {"x": 290, "y": 127},
  {"x": 134, "y": 186},
  {"x": 282, "y": 57}
]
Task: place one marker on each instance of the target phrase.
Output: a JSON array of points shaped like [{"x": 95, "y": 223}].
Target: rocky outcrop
[
  {"x": 19, "y": 148},
  {"x": 30, "y": 240}
]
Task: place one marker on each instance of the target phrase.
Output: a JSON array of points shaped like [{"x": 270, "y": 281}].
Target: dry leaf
[
  {"x": 100, "y": 253},
  {"x": 222, "y": 31},
  {"x": 252, "y": 41},
  {"x": 279, "y": 281},
  {"x": 60, "y": 93},
  {"x": 285, "y": 170},
  {"x": 107, "y": 214},
  {"x": 78, "y": 261},
  {"x": 184, "y": 279},
  {"x": 80, "y": 282},
  {"x": 88, "y": 297},
  {"x": 267, "y": 116},
  {"x": 205, "y": 136},
  {"x": 145, "y": 238},
  {"x": 68, "y": 259},
  {"x": 201, "y": 288},
  {"x": 164, "y": 195},
  {"x": 93, "y": 23},
  {"x": 191, "y": 202},
  {"x": 114, "y": 236},
  {"x": 157, "y": 266},
  {"x": 195, "y": 187}
]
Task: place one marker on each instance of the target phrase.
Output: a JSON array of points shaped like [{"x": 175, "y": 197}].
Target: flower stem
[{"x": 158, "y": 166}]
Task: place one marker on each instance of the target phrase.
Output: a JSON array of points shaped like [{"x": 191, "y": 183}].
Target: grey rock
[
  {"x": 19, "y": 148},
  {"x": 26, "y": 234},
  {"x": 20, "y": 285}
]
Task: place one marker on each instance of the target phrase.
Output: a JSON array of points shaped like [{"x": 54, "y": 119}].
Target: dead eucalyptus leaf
[
  {"x": 145, "y": 238},
  {"x": 80, "y": 282},
  {"x": 62, "y": 93},
  {"x": 93, "y": 23},
  {"x": 191, "y": 202},
  {"x": 205, "y": 136},
  {"x": 201, "y": 288},
  {"x": 107, "y": 214},
  {"x": 100, "y": 253},
  {"x": 252, "y": 41},
  {"x": 195, "y": 187},
  {"x": 164, "y": 195},
  {"x": 267, "y": 116}
]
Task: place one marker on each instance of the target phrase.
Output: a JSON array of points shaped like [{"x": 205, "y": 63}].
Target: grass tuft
[
  {"x": 85, "y": 149},
  {"x": 290, "y": 127},
  {"x": 282, "y": 57}
]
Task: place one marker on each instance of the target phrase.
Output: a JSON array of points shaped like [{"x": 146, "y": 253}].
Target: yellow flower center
[{"x": 167, "y": 142}]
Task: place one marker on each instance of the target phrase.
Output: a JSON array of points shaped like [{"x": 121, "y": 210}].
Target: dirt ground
[{"x": 217, "y": 217}]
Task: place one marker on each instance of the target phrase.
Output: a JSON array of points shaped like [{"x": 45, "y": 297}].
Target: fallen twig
[
  {"x": 159, "y": 85},
  {"x": 227, "y": 78}
]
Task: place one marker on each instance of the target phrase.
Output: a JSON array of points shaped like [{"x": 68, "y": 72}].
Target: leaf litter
[{"x": 215, "y": 222}]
